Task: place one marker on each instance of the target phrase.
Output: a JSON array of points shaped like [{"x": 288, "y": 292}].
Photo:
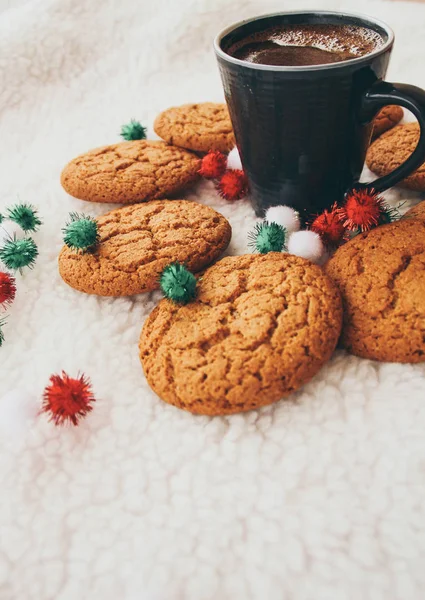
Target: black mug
[{"x": 303, "y": 131}]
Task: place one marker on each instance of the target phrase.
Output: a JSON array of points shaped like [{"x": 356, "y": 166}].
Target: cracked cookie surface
[
  {"x": 260, "y": 327},
  {"x": 138, "y": 241},
  {"x": 130, "y": 172},
  {"x": 386, "y": 119},
  {"x": 392, "y": 149},
  {"x": 381, "y": 277},
  {"x": 199, "y": 127}
]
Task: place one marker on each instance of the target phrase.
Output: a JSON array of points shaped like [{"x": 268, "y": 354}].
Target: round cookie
[
  {"x": 199, "y": 127},
  {"x": 138, "y": 241},
  {"x": 416, "y": 212},
  {"x": 130, "y": 172},
  {"x": 381, "y": 277},
  {"x": 391, "y": 149},
  {"x": 260, "y": 327},
  {"x": 387, "y": 118}
]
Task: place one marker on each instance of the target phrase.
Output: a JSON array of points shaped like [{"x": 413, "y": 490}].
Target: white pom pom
[
  {"x": 285, "y": 216},
  {"x": 18, "y": 411},
  {"x": 234, "y": 160},
  {"x": 306, "y": 244}
]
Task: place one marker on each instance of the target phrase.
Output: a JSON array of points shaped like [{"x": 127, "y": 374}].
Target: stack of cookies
[
  {"x": 261, "y": 325},
  {"x": 138, "y": 241}
]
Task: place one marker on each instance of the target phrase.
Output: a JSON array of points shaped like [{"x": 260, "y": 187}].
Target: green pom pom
[
  {"x": 390, "y": 214},
  {"x": 17, "y": 254},
  {"x": 267, "y": 237},
  {"x": 133, "y": 131},
  {"x": 1, "y": 218},
  {"x": 25, "y": 216},
  {"x": 178, "y": 284},
  {"x": 81, "y": 233},
  {"x": 2, "y": 324}
]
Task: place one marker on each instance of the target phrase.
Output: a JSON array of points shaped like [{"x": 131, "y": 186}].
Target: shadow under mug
[{"x": 303, "y": 131}]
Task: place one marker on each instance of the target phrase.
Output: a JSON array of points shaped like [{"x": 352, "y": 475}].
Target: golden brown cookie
[
  {"x": 391, "y": 149},
  {"x": 381, "y": 277},
  {"x": 387, "y": 118},
  {"x": 138, "y": 241},
  {"x": 199, "y": 127},
  {"x": 416, "y": 212},
  {"x": 260, "y": 327},
  {"x": 130, "y": 172}
]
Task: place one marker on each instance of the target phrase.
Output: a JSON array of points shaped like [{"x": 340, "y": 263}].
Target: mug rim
[{"x": 291, "y": 69}]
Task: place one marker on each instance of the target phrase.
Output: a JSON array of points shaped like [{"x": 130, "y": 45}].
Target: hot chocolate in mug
[{"x": 303, "y": 89}]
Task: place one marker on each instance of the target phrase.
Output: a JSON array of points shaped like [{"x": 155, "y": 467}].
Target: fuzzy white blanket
[{"x": 320, "y": 497}]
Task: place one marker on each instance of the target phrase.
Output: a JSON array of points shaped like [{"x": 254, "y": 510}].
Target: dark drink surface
[{"x": 299, "y": 45}]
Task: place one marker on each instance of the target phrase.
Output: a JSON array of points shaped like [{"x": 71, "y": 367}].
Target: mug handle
[{"x": 411, "y": 97}]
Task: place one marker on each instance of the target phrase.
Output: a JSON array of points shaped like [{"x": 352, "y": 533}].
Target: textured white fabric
[{"x": 320, "y": 497}]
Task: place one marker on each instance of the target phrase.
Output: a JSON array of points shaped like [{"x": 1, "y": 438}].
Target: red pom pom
[
  {"x": 67, "y": 399},
  {"x": 7, "y": 288},
  {"x": 362, "y": 210},
  {"x": 213, "y": 165},
  {"x": 329, "y": 226},
  {"x": 233, "y": 185}
]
